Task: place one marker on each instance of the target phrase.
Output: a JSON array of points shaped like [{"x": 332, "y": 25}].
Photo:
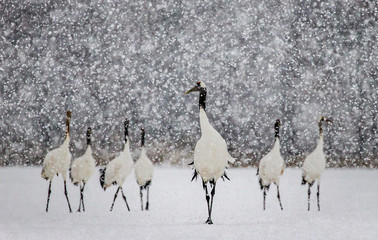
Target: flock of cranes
[
  {"x": 211, "y": 159},
  {"x": 82, "y": 168}
]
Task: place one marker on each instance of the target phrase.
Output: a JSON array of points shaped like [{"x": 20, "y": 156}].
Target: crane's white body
[
  {"x": 57, "y": 161},
  {"x": 314, "y": 164},
  {"x": 119, "y": 168},
  {"x": 83, "y": 167},
  {"x": 211, "y": 156},
  {"x": 144, "y": 169},
  {"x": 272, "y": 166}
]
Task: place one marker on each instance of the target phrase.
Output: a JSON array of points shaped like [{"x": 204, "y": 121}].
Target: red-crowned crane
[
  {"x": 58, "y": 161},
  {"x": 211, "y": 156},
  {"x": 82, "y": 169},
  {"x": 272, "y": 166},
  {"x": 315, "y": 164},
  {"x": 118, "y": 169},
  {"x": 143, "y": 172}
]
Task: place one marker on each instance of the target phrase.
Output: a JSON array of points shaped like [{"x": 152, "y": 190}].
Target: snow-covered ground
[{"x": 349, "y": 202}]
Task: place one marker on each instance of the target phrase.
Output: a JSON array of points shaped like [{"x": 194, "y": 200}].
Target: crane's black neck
[
  {"x": 277, "y": 131},
  {"x": 320, "y": 127},
  {"x": 202, "y": 98},
  {"x": 68, "y": 123},
  {"x": 142, "y": 138},
  {"x": 67, "y": 127},
  {"x": 89, "y": 141},
  {"x": 126, "y": 130}
]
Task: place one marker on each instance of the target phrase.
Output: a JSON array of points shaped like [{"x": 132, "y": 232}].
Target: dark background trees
[{"x": 261, "y": 60}]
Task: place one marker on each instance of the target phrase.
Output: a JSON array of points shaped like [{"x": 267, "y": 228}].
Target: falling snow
[{"x": 261, "y": 60}]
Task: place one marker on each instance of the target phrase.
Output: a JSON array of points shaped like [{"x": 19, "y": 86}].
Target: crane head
[
  {"x": 278, "y": 123},
  {"x": 200, "y": 86},
  {"x": 89, "y": 131},
  {"x": 126, "y": 123},
  {"x": 324, "y": 119},
  {"x": 68, "y": 114}
]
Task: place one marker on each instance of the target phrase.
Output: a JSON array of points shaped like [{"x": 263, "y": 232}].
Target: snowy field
[{"x": 349, "y": 202}]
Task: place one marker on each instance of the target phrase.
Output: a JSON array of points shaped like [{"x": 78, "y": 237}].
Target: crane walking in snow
[
  {"x": 143, "y": 172},
  {"x": 82, "y": 169},
  {"x": 118, "y": 169},
  {"x": 272, "y": 166},
  {"x": 315, "y": 163},
  {"x": 211, "y": 156},
  {"x": 58, "y": 161}
]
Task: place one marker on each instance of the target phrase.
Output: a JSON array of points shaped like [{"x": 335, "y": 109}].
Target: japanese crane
[
  {"x": 82, "y": 169},
  {"x": 315, "y": 164},
  {"x": 272, "y": 166},
  {"x": 57, "y": 161},
  {"x": 118, "y": 169},
  {"x": 143, "y": 172},
  {"x": 211, "y": 156}
]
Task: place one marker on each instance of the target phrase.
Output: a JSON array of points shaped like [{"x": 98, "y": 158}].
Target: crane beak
[
  {"x": 195, "y": 89},
  {"x": 329, "y": 120}
]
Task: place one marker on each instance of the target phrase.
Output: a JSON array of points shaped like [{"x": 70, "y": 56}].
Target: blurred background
[{"x": 261, "y": 60}]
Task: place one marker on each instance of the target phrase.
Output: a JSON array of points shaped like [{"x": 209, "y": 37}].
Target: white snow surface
[{"x": 348, "y": 197}]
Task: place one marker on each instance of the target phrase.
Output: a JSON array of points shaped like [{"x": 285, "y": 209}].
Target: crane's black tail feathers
[
  {"x": 303, "y": 181},
  {"x": 309, "y": 183},
  {"x": 191, "y": 163},
  {"x": 262, "y": 186},
  {"x": 43, "y": 174},
  {"x": 148, "y": 183},
  {"x": 257, "y": 173},
  {"x": 195, "y": 175},
  {"x": 102, "y": 178},
  {"x": 72, "y": 180},
  {"x": 225, "y": 176}
]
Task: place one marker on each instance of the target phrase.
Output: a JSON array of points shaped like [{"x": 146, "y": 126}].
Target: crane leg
[
  {"x": 213, "y": 184},
  {"x": 141, "y": 197},
  {"x": 115, "y": 196},
  {"x": 204, "y": 185},
  {"x": 318, "y": 194},
  {"x": 124, "y": 198},
  {"x": 82, "y": 196},
  {"x": 48, "y": 197},
  {"x": 66, "y": 193},
  {"x": 309, "y": 195},
  {"x": 148, "y": 196},
  {"x": 278, "y": 196},
  {"x": 264, "y": 193}
]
